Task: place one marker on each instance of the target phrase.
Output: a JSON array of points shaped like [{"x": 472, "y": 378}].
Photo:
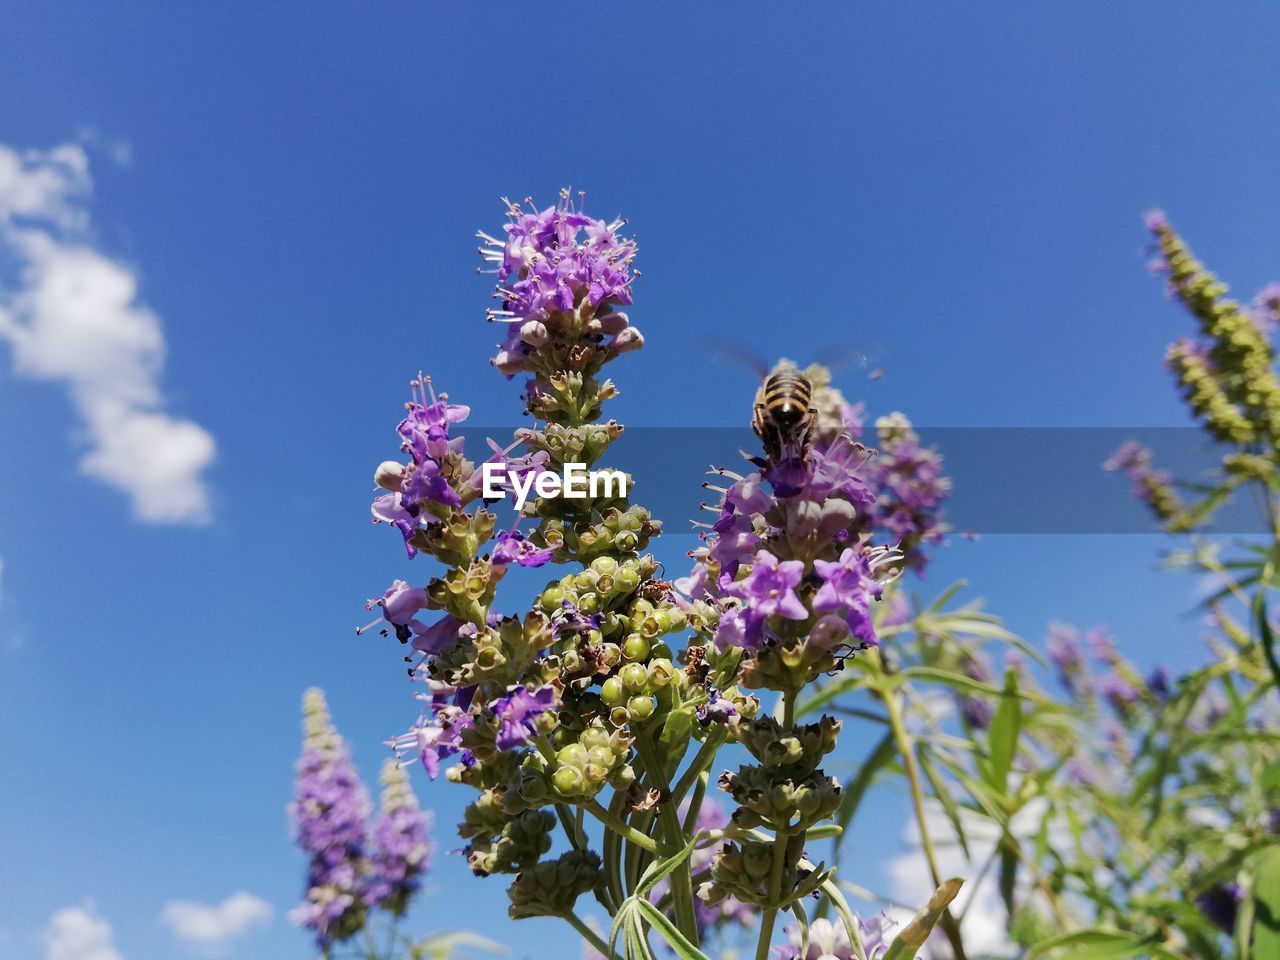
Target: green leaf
[
  {"x": 957, "y": 680},
  {"x": 1002, "y": 735},
  {"x": 661, "y": 869},
  {"x": 802, "y": 919},
  {"x": 1266, "y": 905},
  {"x": 852, "y": 929},
  {"x": 1100, "y": 944},
  {"x": 667, "y": 930},
  {"x": 915, "y": 933},
  {"x": 674, "y": 739}
]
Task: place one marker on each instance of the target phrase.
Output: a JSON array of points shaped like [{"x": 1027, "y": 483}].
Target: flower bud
[
  {"x": 534, "y": 333},
  {"x": 389, "y": 475}
]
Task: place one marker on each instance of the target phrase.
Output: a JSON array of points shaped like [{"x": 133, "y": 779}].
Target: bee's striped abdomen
[{"x": 786, "y": 398}]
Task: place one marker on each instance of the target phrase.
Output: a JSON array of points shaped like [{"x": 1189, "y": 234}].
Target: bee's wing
[{"x": 738, "y": 353}]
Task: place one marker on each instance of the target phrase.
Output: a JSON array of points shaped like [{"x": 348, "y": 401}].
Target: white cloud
[
  {"x": 981, "y": 905},
  {"x": 79, "y": 933},
  {"x": 203, "y": 925},
  {"x": 73, "y": 317}
]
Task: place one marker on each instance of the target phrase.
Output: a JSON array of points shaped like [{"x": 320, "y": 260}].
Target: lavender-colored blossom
[
  {"x": 1120, "y": 693},
  {"x": 911, "y": 489},
  {"x": 328, "y": 812},
  {"x": 569, "y": 619},
  {"x": 830, "y": 941},
  {"x": 423, "y": 485},
  {"x": 433, "y": 640},
  {"x": 1220, "y": 904},
  {"x": 551, "y": 263},
  {"x": 513, "y": 547},
  {"x": 770, "y": 587},
  {"x": 1103, "y": 644},
  {"x": 1083, "y": 772},
  {"x": 399, "y": 604},
  {"x": 849, "y": 587},
  {"x": 717, "y": 709},
  {"x": 768, "y": 590},
  {"x": 437, "y": 739},
  {"x": 1160, "y": 682},
  {"x": 517, "y": 713},
  {"x": 401, "y": 848},
  {"x": 1067, "y": 655}
]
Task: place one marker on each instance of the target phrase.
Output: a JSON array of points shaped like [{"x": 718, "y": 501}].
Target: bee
[{"x": 783, "y": 416}]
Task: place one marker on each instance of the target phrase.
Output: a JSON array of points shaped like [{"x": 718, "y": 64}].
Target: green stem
[
  {"x": 893, "y": 709},
  {"x": 590, "y": 935},
  {"x": 779, "y": 864},
  {"x": 616, "y": 824},
  {"x": 673, "y": 835},
  {"x": 701, "y": 761}
]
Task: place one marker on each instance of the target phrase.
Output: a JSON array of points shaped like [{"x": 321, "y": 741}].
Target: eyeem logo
[{"x": 576, "y": 483}]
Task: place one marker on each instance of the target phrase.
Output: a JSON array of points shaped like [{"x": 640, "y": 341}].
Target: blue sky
[{"x": 294, "y": 189}]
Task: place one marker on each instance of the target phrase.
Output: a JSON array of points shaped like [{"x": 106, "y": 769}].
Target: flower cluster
[
  {"x": 560, "y": 274},
  {"x": 1227, "y": 378},
  {"x": 829, "y": 941},
  {"x": 592, "y": 696},
  {"x": 352, "y": 868}
]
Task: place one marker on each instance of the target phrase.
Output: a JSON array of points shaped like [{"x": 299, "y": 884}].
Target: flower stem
[
  {"x": 893, "y": 708},
  {"x": 616, "y": 824},
  {"x": 673, "y": 836},
  {"x": 780, "y": 838}
]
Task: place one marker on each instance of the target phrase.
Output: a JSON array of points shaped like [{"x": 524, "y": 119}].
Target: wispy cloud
[
  {"x": 213, "y": 926},
  {"x": 980, "y": 903},
  {"x": 72, "y": 315},
  {"x": 79, "y": 933}
]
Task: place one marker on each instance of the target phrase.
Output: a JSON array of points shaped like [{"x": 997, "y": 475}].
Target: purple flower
[
  {"x": 328, "y": 812},
  {"x": 435, "y": 456},
  {"x": 551, "y": 262},
  {"x": 513, "y": 547},
  {"x": 1120, "y": 693},
  {"x": 768, "y": 590},
  {"x": 1220, "y": 904},
  {"x": 399, "y": 604},
  {"x": 770, "y": 587},
  {"x": 1083, "y": 772},
  {"x": 401, "y": 848},
  {"x": 911, "y": 489},
  {"x": 717, "y": 709},
  {"x": 569, "y": 619},
  {"x": 849, "y": 586},
  {"x": 1103, "y": 644},
  {"x": 1160, "y": 682},
  {"x": 435, "y": 639},
  {"x": 438, "y": 739},
  {"x": 836, "y": 470},
  {"x": 1067, "y": 655},
  {"x": 736, "y": 542},
  {"x": 829, "y": 941},
  {"x": 517, "y": 712}
]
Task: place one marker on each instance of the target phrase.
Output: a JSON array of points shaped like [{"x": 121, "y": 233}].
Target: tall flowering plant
[
  {"x": 589, "y": 721},
  {"x": 361, "y": 864},
  {"x": 1110, "y": 811}
]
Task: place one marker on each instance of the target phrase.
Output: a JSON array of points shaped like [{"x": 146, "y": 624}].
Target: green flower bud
[
  {"x": 635, "y": 647},
  {"x": 569, "y": 781},
  {"x": 641, "y": 708},
  {"x": 662, "y": 672},
  {"x": 634, "y": 677},
  {"x": 612, "y": 692}
]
